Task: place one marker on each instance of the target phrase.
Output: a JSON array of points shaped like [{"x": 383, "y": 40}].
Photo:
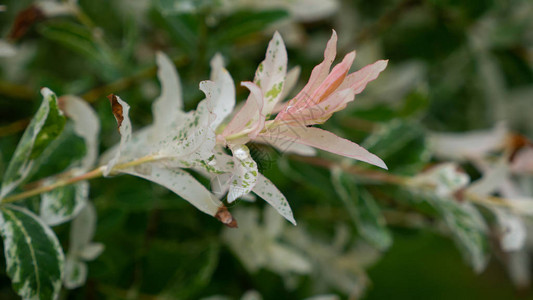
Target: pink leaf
[
  {"x": 327, "y": 141},
  {"x": 318, "y": 75},
  {"x": 334, "y": 79},
  {"x": 358, "y": 80},
  {"x": 249, "y": 114}
]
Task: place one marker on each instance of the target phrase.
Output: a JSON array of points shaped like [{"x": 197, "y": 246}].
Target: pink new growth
[
  {"x": 328, "y": 92},
  {"x": 325, "y": 93}
]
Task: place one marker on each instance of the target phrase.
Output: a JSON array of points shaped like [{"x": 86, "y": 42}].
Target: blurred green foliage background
[{"x": 453, "y": 66}]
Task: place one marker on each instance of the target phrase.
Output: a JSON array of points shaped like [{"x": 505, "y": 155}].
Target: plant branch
[
  {"x": 384, "y": 177},
  {"x": 16, "y": 91},
  {"x": 354, "y": 170},
  {"x": 14, "y": 127},
  {"x": 98, "y": 172}
]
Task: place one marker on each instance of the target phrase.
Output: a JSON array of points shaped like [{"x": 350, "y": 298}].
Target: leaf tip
[
  {"x": 117, "y": 109},
  {"x": 46, "y": 92}
]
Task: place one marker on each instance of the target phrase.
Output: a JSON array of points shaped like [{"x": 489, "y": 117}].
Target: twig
[
  {"x": 14, "y": 127},
  {"x": 355, "y": 170},
  {"x": 384, "y": 177},
  {"x": 98, "y": 172},
  {"x": 16, "y": 91}
]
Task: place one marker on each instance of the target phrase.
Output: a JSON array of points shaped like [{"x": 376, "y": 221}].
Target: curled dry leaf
[
  {"x": 24, "y": 20},
  {"x": 224, "y": 216}
]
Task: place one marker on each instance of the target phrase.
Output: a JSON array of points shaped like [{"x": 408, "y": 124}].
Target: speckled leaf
[
  {"x": 185, "y": 186},
  {"x": 192, "y": 139},
  {"x": 45, "y": 126},
  {"x": 270, "y": 75},
  {"x": 34, "y": 257},
  {"x": 364, "y": 211},
  {"x": 244, "y": 173},
  {"x": 270, "y": 193}
]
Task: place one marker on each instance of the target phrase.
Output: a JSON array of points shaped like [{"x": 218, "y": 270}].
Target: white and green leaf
[
  {"x": 75, "y": 272},
  {"x": 192, "y": 139},
  {"x": 33, "y": 254},
  {"x": 45, "y": 126},
  {"x": 81, "y": 247},
  {"x": 265, "y": 189},
  {"x": 270, "y": 75},
  {"x": 245, "y": 173},
  {"x": 180, "y": 182},
  {"x": 62, "y": 204}
]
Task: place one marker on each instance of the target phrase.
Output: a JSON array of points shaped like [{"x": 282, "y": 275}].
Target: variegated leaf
[
  {"x": 45, "y": 126},
  {"x": 270, "y": 75},
  {"x": 364, "y": 211},
  {"x": 81, "y": 248},
  {"x": 192, "y": 139},
  {"x": 467, "y": 227},
  {"x": 33, "y": 254},
  {"x": 265, "y": 189},
  {"x": 62, "y": 204},
  {"x": 185, "y": 186}
]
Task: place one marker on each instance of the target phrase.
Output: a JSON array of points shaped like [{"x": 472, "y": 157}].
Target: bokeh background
[{"x": 454, "y": 66}]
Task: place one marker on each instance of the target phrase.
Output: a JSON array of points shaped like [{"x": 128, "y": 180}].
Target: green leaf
[
  {"x": 82, "y": 41},
  {"x": 193, "y": 273},
  {"x": 45, "y": 126},
  {"x": 73, "y": 36},
  {"x": 33, "y": 255},
  {"x": 402, "y": 145},
  {"x": 415, "y": 103},
  {"x": 183, "y": 29},
  {"x": 363, "y": 210},
  {"x": 244, "y": 23}
]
